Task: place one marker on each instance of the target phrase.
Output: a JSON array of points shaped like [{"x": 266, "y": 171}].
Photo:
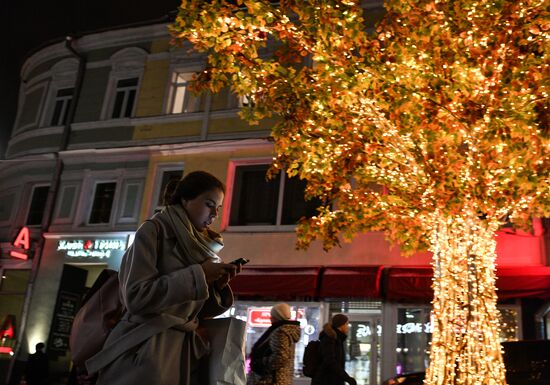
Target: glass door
[{"x": 363, "y": 348}]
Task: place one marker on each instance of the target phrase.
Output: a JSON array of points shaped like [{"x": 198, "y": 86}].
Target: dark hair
[
  {"x": 339, "y": 320},
  {"x": 194, "y": 184}
]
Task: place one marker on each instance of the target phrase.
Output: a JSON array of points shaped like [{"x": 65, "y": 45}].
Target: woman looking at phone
[{"x": 170, "y": 278}]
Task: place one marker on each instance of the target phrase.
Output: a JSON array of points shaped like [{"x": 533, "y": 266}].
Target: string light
[{"x": 443, "y": 108}]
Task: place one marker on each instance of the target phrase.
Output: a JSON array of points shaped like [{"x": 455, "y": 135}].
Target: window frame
[
  {"x": 231, "y": 179},
  {"x": 31, "y": 196},
  {"x": 63, "y": 76},
  {"x": 114, "y": 206},
  {"x": 127, "y": 63},
  {"x": 123, "y": 198},
  {"x": 175, "y": 85},
  {"x": 65, "y": 102},
  {"x": 160, "y": 169},
  {"x": 70, "y": 217},
  {"x": 126, "y": 91}
]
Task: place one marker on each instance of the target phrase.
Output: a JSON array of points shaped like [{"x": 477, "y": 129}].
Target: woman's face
[{"x": 203, "y": 209}]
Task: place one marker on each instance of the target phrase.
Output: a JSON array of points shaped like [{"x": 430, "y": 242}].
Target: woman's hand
[{"x": 221, "y": 273}]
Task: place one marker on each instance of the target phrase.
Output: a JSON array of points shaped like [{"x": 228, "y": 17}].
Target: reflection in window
[{"x": 168, "y": 177}]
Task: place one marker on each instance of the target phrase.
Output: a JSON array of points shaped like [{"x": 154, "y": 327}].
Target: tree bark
[{"x": 465, "y": 347}]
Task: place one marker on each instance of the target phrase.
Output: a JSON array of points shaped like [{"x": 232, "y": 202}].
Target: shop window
[
  {"x": 13, "y": 285},
  {"x": 275, "y": 202},
  {"x": 257, "y": 316},
  {"x": 125, "y": 97},
  {"x": 102, "y": 203},
  {"x": 183, "y": 100},
  {"x": 414, "y": 334},
  {"x": 61, "y": 107},
  {"x": 38, "y": 205}
]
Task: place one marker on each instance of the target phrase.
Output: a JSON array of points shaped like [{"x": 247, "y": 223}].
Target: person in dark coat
[
  {"x": 331, "y": 370},
  {"x": 37, "y": 370}
]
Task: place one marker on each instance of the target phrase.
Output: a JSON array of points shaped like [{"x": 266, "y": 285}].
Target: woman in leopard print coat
[{"x": 281, "y": 337}]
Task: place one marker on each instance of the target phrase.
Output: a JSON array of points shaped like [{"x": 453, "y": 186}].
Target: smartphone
[{"x": 240, "y": 261}]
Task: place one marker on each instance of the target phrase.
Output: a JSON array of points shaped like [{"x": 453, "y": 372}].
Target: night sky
[{"x": 27, "y": 25}]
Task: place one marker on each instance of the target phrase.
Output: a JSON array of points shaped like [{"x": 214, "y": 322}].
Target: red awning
[
  {"x": 350, "y": 281},
  {"x": 414, "y": 282},
  {"x": 523, "y": 282},
  {"x": 408, "y": 283},
  {"x": 277, "y": 281}
]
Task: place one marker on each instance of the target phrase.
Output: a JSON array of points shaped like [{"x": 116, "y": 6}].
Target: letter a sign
[{"x": 22, "y": 241}]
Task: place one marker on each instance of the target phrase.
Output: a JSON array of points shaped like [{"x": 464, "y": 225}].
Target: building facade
[{"x": 106, "y": 120}]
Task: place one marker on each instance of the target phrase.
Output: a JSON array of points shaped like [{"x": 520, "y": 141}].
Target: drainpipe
[{"x": 52, "y": 194}]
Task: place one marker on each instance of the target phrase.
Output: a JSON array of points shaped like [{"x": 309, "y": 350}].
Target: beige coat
[{"x": 164, "y": 297}]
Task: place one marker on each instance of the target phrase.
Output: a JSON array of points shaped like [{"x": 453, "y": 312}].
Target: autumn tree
[{"x": 433, "y": 128}]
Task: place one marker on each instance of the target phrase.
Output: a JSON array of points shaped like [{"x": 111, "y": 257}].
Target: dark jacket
[
  {"x": 37, "y": 369},
  {"x": 332, "y": 371}
]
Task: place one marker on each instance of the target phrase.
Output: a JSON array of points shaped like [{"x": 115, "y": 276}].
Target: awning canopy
[
  {"x": 350, "y": 281},
  {"x": 408, "y": 283},
  {"x": 277, "y": 281},
  {"x": 414, "y": 282},
  {"x": 523, "y": 282},
  {"x": 396, "y": 283}
]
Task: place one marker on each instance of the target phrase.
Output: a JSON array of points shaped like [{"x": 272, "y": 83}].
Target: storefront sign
[
  {"x": 414, "y": 327},
  {"x": 259, "y": 316},
  {"x": 22, "y": 242},
  {"x": 65, "y": 311},
  {"x": 96, "y": 248}
]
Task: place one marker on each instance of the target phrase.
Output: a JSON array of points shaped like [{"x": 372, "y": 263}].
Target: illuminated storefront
[
  {"x": 70, "y": 264},
  {"x": 388, "y": 307}
]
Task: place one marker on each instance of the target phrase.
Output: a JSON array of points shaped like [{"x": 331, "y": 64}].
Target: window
[
  {"x": 124, "y": 98},
  {"x": 103, "y": 202},
  {"x": 414, "y": 334},
  {"x": 183, "y": 100},
  {"x": 260, "y": 202},
  {"x": 66, "y": 204},
  {"x": 172, "y": 176},
  {"x": 129, "y": 209},
  {"x": 37, "y": 206},
  {"x": 62, "y": 104}
]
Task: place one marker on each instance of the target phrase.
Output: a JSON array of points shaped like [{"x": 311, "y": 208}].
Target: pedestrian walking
[
  {"x": 331, "y": 370},
  {"x": 170, "y": 278},
  {"x": 272, "y": 356},
  {"x": 37, "y": 370}
]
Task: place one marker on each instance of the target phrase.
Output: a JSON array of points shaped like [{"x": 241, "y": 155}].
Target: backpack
[
  {"x": 96, "y": 318},
  {"x": 258, "y": 357},
  {"x": 100, "y": 312},
  {"x": 312, "y": 358}
]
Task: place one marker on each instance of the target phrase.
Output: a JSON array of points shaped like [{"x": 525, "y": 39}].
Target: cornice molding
[{"x": 93, "y": 41}]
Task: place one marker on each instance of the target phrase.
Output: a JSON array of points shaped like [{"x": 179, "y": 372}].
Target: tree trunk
[{"x": 465, "y": 347}]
